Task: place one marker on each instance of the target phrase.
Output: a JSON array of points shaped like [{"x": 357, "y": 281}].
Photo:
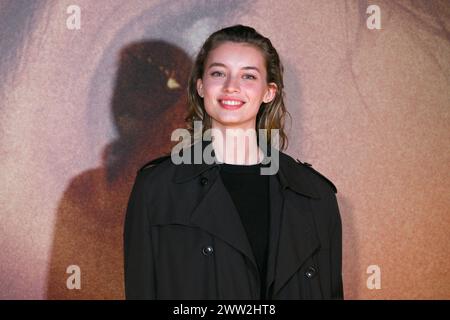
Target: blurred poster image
[{"x": 83, "y": 108}]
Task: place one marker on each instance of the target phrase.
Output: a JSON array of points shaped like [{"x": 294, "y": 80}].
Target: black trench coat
[{"x": 183, "y": 237}]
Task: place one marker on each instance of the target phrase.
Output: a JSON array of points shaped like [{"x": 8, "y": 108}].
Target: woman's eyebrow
[{"x": 218, "y": 64}]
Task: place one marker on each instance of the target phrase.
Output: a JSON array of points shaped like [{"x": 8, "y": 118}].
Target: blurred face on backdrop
[{"x": 234, "y": 85}]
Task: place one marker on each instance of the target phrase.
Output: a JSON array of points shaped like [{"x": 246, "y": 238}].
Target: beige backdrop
[{"x": 81, "y": 110}]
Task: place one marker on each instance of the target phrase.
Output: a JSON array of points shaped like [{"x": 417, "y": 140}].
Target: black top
[{"x": 250, "y": 193}]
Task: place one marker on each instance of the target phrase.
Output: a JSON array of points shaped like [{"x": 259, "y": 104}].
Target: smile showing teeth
[{"x": 231, "y": 102}]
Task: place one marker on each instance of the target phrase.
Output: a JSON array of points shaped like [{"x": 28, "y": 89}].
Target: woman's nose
[{"x": 231, "y": 85}]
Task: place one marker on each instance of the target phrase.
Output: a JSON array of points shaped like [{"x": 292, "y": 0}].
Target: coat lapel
[
  {"x": 218, "y": 215},
  {"x": 215, "y": 212},
  {"x": 293, "y": 237},
  {"x": 297, "y": 239}
]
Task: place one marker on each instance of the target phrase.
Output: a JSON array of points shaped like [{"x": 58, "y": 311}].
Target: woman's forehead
[{"x": 231, "y": 54}]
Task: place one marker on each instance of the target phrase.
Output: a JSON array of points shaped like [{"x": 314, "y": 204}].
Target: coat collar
[{"x": 291, "y": 174}]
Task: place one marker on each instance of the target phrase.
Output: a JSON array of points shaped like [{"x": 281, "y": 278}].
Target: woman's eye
[{"x": 246, "y": 76}]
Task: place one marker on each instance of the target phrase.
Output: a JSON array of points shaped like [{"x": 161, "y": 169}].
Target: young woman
[{"x": 222, "y": 229}]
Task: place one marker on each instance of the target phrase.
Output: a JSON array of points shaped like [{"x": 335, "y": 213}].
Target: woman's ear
[
  {"x": 200, "y": 87},
  {"x": 271, "y": 93}
]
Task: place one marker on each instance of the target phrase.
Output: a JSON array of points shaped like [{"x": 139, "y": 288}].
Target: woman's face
[{"x": 234, "y": 85}]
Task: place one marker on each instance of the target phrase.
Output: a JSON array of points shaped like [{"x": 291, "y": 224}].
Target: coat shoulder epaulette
[
  {"x": 153, "y": 162},
  {"x": 309, "y": 166}
]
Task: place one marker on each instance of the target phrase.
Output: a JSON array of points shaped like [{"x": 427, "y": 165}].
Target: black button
[
  {"x": 208, "y": 250},
  {"x": 204, "y": 181},
  {"x": 310, "y": 272}
]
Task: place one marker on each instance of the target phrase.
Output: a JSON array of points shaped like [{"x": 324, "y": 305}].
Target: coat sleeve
[
  {"x": 337, "y": 290},
  {"x": 138, "y": 255}
]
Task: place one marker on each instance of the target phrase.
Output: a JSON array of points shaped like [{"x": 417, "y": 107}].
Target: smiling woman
[{"x": 226, "y": 230}]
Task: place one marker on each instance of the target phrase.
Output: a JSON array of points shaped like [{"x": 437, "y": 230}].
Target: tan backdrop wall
[{"x": 81, "y": 110}]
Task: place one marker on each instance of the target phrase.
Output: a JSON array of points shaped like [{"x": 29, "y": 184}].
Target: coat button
[
  {"x": 208, "y": 250},
  {"x": 204, "y": 181},
  {"x": 310, "y": 272}
]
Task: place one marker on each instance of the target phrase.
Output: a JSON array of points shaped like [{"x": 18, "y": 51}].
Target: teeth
[{"x": 231, "y": 102}]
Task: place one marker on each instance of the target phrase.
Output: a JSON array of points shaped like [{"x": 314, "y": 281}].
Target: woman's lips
[{"x": 233, "y": 106}]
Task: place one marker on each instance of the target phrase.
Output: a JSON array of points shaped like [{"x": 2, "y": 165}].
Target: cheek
[
  {"x": 210, "y": 103},
  {"x": 211, "y": 86},
  {"x": 255, "y": 90}
]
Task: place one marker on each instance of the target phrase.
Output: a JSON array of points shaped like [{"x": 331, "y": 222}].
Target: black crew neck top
[{"x": 250, "y": 193}]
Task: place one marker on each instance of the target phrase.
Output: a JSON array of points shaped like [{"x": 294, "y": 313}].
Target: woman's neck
[{"x": 236, "y": 146}]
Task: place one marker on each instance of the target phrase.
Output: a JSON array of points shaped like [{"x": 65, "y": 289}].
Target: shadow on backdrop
[{"x": 149, "y": 102}]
